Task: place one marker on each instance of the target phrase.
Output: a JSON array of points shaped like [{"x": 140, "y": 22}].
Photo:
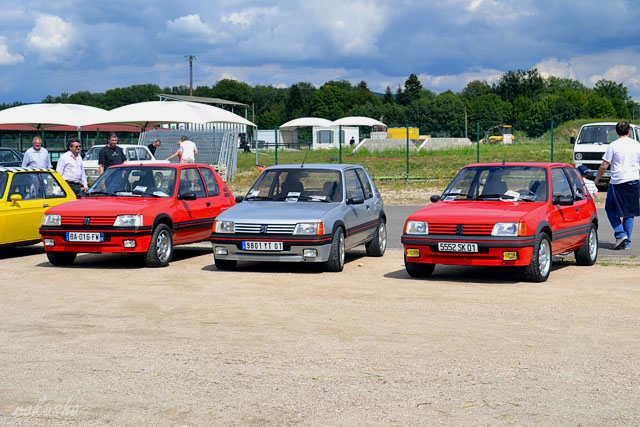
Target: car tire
[
  {"x": 540, "y": 266},
  {"x": 378, "y": 244},
  {"x": 61, "y": 258},
  {"x": 418, "y": 269},
  {"x": 587, "y": 254},
  {"x": 335, "y": 263},
  {"x": 161, "y": 247},
  {"x": 225, "y": 264}
]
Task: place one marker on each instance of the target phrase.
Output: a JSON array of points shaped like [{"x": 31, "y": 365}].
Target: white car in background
[{"x": 138, "y": 154}]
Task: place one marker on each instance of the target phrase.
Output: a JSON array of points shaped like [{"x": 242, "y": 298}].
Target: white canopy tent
[
  {"x": 357, "y": 121},
  {"x": 41, "y": 116},
  {"x": 306, "y": 121},
  {"x": 156, "y": 113}
]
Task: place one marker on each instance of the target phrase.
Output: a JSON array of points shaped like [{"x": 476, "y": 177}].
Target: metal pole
[
  {"x": 552, "y": 140},
  {"x": 340, "y": 143},
  {"x": 276, "y": 130},
  {"x": 407, "y": 154},
  {"x": 478, "y": 142},
  {"x": 97, "y": 136}
]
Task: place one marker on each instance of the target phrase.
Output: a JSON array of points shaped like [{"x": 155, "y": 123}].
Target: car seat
[
  {"x": 291, "y": 184},
  {"x": 329, "y": 189},
  {"x": 539, "y": 188},
  {"x": 495, "y": 185}
]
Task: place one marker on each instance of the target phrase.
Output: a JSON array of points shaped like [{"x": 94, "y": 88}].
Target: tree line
[{"x": 522, "y": 98}]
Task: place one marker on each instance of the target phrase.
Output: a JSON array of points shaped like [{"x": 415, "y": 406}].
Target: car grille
[
  {"x": 94, "y": 220},
  {"x": 590, "y": 156},
  {"x": 467, "y": 229},
  {"x": 270, "y": 228}
]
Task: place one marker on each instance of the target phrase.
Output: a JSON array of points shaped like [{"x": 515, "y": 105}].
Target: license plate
[
  {"x": 457, "y": 247},
  {"x": 73, "y": 236},
  {"x": 262, "y": 246}
]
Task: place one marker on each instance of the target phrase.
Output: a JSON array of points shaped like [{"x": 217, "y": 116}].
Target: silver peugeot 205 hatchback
[{"x": 302, "y": 213}]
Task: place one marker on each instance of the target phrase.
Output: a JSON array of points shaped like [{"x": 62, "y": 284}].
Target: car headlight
[
  {"x": 507, "y": 229},
  {"x": 417, "y": 227},
  {"x": 225, "y": 227},
  {"x": 51, "y": 220},
  {"x": 128, "y": 221},
  {"x": 309, "y": 228},
  {"x": 578, "y": 156}
]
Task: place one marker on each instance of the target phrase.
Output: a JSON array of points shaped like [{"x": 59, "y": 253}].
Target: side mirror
[
  {"x": 434, "y": 198},
  {"x": 572, "y": 140},
  {"x": 187, "y": 196},
  {"x": 15, "y": 198},
  {"x": 355, "y": 200},
  {"x": 239, "y": 199},
  {"x": 563, "y": 200}
]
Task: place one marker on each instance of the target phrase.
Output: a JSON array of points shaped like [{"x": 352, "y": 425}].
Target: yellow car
[{"x": 26, "y": 194}]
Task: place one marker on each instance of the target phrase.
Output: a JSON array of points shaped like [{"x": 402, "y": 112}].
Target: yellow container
[{"x": 401, "y": 133}]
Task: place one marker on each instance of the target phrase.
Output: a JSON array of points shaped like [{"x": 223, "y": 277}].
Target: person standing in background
[
  {"x": 153, "y": 146},
  {"x": 111, "y": 154},
  {"x": 71, "y": 169},
  {"x": 37, "y": 156},
  {"x": 187, "y": 151}
]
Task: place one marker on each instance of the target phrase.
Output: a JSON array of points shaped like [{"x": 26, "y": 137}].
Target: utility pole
[{"x": 190, "y": 58}]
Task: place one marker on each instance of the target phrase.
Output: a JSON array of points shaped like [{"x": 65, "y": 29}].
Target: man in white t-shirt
[
  {"x": 188, "y": 150},
  {"x": 622, "y": 204}
]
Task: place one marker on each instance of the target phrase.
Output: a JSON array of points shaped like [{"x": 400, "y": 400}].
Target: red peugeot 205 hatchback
[
  {"x": 505, "y": 214},
  {"x": 142, "y": 209}
]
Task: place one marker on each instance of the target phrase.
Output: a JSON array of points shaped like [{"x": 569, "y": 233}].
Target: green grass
[{"x": 433, "y": 169}]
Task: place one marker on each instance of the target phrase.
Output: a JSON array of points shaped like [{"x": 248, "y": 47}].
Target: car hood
[
  {"x": 109, "y": 206},
  {"x": 475, "y": 212},
  {"x": 261, "y": 211}
]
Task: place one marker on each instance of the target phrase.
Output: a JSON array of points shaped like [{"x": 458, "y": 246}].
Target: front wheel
[
  {"x": 378, "y": 245},
  {"x": 225, "y": 264},
  {"x": 418, "y": 269},
  {"x": 61, "y": 258},
  {"x": 588, "y": 252},
  {"x": 161, "y": 247},
  {"x": 540, "y": 267},
  {"x": 335, "y": 263}
]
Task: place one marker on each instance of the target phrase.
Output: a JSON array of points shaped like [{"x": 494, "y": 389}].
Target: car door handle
[{"x": 46, "y": 205}]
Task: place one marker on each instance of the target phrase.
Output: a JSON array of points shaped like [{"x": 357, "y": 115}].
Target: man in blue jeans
[{"x": 622, "y": 204}]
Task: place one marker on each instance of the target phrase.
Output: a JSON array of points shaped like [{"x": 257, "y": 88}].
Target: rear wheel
[
  {"x": 161, "y": 248},
  {"x": 61, "y": 258},
  {"x": 335, "y": 262},
  {"x": 540, "y": 267},
  {"x": 225, "y": 264},
  {"x": 378, "y": 245},
  {"x": 588, "y": 252},
  {"x": 418, "y": 269}
]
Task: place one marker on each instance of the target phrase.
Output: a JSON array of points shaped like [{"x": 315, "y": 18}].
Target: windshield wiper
[
  {"x": 471, "y": 196},
  {"x": 314, "y": 198},
  {"x": 95, "y": 193},
  {"x": 257, "y": 198},
  {"x": 489, "y": 196}
]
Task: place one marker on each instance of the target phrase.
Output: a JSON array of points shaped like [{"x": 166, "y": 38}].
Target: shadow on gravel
[
  {"x": 128, "y": 261},
  {"x": 287, "y": 267},
  {"x": 472, "y": 274}
]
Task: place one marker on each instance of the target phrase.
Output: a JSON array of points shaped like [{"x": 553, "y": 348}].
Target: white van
[
  {"x": 137, "y": 154},
  {"x": 592, "y": 142}
]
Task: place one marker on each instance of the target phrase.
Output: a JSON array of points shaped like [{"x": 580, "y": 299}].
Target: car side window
[
  {"x": 191, "y": 182},
  {"x": 131, "y": 154},
  {"x": 52, "y": 188},
  {"x": 579, "y": 188},
  {"x": 27, "y": 185},
  {"x": 210, "y": 182},
  {"x": 9, "y": 156},
  {"x": 560, "y": 183},
  {"x": 354, "y": 188},
  {"x": 143, "y": 154},
  {"x": 364, "y": 180}
]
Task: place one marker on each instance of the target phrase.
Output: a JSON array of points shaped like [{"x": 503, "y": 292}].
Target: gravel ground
[{"x": 107, "y": 341}]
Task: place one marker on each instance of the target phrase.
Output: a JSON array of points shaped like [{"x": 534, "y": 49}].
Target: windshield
[
  {"x": 304, "y": 185},
  {"x": 506, "y": 183},
  {"x": 93, "y": 153},
  {"x": 135, "y": 181},
  {"x": 598, "y": 134}
]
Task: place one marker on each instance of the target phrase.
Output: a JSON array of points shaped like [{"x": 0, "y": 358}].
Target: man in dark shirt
[
  {"x": 111, "y": 154},
  {"x": 152, "y": 147}
]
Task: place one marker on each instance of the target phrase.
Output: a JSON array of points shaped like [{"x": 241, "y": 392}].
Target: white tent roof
[
  {"x": 357, "y": 121},
  {"x": 49, "y": 115},
  {"x": 306, "y": 121},
  {"x": 156, "y": 113}
]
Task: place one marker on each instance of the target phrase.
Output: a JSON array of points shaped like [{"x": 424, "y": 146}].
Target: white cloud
[
  {"x": 457, "y": 82},
  {"x": 52, "y": 38},
  {"x": 7, "y": 58},
  {"x": 191, "y": 26},
  {"x": 249, "y": 17}
]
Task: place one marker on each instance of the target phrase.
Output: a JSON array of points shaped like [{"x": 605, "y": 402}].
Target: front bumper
[
  {"x": 491, "y": 250},
  {"x": 293, "y": 247},
  {"x": 114, "y": 240}
]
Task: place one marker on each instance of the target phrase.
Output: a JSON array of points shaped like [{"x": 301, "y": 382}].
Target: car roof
[
  {"x": 534, "y": 164},
  {"x": 327, "y": 166}
]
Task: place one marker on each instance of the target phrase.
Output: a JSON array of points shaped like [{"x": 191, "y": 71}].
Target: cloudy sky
[{"x": 50, "y": 47}]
